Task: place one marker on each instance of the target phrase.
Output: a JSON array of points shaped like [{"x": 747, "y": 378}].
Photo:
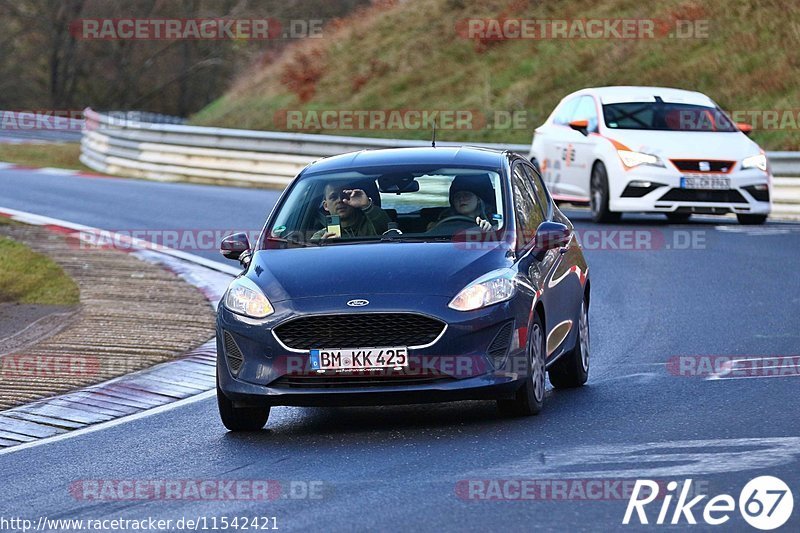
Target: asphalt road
[{"x": 734, "y": 292}]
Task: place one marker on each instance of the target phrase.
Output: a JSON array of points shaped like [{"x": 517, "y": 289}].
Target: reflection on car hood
[
  {"x": 434, "y": 268},
  {"x": 734, "y": 146}
]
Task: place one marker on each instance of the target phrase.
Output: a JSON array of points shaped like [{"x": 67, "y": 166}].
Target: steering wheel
[{"x": 453, "y": 220}]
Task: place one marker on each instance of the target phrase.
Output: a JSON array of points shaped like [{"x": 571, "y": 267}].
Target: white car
[{"x": 653, "y": 150}]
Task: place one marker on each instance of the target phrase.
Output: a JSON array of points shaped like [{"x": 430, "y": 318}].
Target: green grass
[
  {"x": 43, "y": 155},
  {"x": 31, "y": 278},
  {"x": 410, "y": 57}
]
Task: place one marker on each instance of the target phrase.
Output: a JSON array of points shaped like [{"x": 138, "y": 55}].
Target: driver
[
  {"x": 357, "y": 216},
  {"x": 465, "y": 201}
]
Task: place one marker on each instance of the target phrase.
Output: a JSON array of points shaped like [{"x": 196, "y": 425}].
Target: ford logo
[{"x": 358, "y": 303}]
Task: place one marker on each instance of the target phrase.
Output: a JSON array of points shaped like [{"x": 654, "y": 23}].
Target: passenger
[
  {"x": 357, "y": 216},
  {"x": 466, "y": 201}
]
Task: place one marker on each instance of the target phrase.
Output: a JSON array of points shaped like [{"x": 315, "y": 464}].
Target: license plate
[
  {"x": 705, "y": 182},
  {"x": 358, "y": 358}
]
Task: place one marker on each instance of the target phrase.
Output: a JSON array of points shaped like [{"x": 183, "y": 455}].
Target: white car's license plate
[
  {"x": 358, "y": 358},
  {"x": 705, "y": 182}
]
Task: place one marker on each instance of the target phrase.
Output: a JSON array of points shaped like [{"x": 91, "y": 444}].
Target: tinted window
[
  {"x": 526, "y": 207},
  {"x": 538, "y": 189},
  {"x": 665, "y": 116},
  {"x": 586, "y": 110}
]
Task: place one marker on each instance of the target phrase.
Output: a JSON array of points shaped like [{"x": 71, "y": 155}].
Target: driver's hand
[
  {"x": 356, "y": 198},
  {"x": 328, "y": 235},
  {"x": 485, "y": 225}
]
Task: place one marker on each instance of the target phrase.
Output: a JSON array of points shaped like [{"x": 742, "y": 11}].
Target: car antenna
[{"x": 433, "y": 142}]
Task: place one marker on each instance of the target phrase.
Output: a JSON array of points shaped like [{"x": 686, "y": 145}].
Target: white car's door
[
  {"x": 549, "y": 144},
  {"x": 578, "y": 152}
]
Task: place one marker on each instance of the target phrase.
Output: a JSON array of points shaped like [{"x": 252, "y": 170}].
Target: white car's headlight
[
  {"x": 245, "y": 298},
  {"x": 634, "y": 159},
  {"x": 755, "y": 161},
  {"x": 495, "y": 287}
]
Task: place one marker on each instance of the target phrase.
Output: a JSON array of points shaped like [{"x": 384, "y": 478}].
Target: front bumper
[
  {"x": 457, "y": 366},
  {"x": 665, "y": 194}
]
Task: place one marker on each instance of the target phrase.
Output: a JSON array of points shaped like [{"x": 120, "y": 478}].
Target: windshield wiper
[
  {"x": 288, "y": 241},
  {"x": 416, "y": 238}
]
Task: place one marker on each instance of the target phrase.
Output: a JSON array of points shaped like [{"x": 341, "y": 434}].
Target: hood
[
  {"x": 430, "y": 268},
  {"x": 734, "y": 146}
]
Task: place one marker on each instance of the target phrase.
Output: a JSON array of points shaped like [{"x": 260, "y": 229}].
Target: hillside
[{"x": 414, "y": 55}]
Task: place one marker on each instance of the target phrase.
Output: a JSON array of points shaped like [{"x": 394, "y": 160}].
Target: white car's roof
[{"x": 614, "y": 95}]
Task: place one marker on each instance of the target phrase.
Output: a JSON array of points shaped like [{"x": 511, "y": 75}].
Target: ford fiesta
[
  {"x": 654, "y": 150},
  {"x": 404, "y": 276}
]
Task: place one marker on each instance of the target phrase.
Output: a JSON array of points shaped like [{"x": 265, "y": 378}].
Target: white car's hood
[{"x": 733, "y": 146}]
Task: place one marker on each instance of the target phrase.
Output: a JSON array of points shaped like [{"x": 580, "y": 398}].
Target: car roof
[
  {"x": 445, "y": 156},
  {"x": 619, "y": 94}
]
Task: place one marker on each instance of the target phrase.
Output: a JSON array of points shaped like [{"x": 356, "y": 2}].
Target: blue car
[{"x": 404, "y": 276}]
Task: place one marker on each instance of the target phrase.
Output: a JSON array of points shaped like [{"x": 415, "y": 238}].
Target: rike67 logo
[{"x": 765, "y": 503}]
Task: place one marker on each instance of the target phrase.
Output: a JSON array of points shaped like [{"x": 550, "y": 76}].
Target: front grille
[
  {"x": 499, "y": 347},
  {"x": 232, "y": 353},
  {"x": 359, "y": 331},
  {"x": 343, "y": 381},
  {"x": 702, "y": 165},
  {"x": 703, "y": 195}
]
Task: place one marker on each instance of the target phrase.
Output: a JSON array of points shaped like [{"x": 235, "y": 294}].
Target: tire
[
  {"x": 572, "y": 369},
  {"x": 529, "y": 399},
  {"x": 678, "y": 218},
  {"x": 598, "y": 195},
  {"x": 240, "y": 418},
  {"x": 751, "y": 220}
]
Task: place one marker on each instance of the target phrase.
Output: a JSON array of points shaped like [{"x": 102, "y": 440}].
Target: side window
[
  {"x": 586, "y": 110},
  {"x": 564, "y": 114},
  {"x": 539, "y": 191},
  {"x": 526, "y": 209}
]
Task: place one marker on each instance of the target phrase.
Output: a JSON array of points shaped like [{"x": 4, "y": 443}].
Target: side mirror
[
  {"x": 745, "y": 128},
  {"x": 551, "y": 235},
  {"x": 580, "y": 125},
  {"x": 236, "y": 247}
]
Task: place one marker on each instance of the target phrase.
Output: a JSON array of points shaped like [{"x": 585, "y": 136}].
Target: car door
[
  {"x": 540, "y": 267},
  {"x": 578, "y": 151},
  {"x": 562, "y": 281},
  {"x": 550, "y": 142}
]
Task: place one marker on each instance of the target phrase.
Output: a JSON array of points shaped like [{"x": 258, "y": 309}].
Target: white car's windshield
[
  {"x": 371, "y": 204},
  {"x": 666, "y": 117}
]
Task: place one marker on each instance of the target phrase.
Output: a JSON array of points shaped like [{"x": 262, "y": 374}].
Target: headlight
[
  {"x": 495, "y": 287},
  {"x": 755, "y": 161},
  {"x": 634, "y": 159},
  {"x": 245, "y": 298}
]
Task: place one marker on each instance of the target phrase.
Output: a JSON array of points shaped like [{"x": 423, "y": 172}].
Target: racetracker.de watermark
[
  {"x": 64, "y": 366},
  {"x": 204, "y": 240},
  {"x": 41, "y": 119},
  {"x": 399, "y": 119},
  {"x": 502, "y": 29},
  {"x": 168, "y": 29},
  {"x": 115, "y": 490},
  {"x": 734, "y": 366},
  {"x": 515, "y": 489}
]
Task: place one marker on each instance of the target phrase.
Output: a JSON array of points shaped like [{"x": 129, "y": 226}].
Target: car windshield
[
  {"x": 388, "y": 204},
  {"x": 665, "y": 116}
]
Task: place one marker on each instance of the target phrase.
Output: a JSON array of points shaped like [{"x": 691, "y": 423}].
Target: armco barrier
[{"x": 124, "y": 144}]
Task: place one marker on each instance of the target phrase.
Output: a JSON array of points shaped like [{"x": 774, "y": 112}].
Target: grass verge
[
  {"x": 31, "y": 278},
  {"x": 44, "y": 155}
]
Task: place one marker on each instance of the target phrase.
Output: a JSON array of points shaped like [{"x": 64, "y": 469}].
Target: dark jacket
[{"x": 369, "y": 222}]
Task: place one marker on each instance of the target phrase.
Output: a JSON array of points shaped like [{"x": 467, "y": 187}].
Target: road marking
[{"x": 666, "y": 459}]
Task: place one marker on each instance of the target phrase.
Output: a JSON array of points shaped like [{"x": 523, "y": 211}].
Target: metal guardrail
[{"x": 132, "y": 144}]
